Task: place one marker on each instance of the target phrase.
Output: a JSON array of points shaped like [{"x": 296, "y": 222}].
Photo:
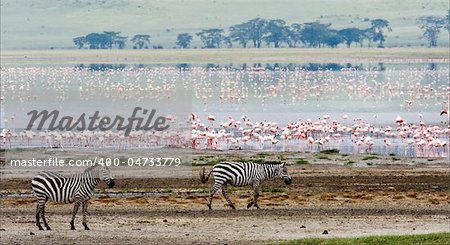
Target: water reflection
[
  {"x": 267, "y": 66},
  {"x": 101, "y": 67}
]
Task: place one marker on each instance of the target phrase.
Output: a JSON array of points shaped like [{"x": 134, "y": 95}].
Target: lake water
[{"x": 363, "y": 95}]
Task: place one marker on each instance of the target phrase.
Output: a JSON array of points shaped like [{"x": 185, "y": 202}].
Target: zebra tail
[{"x": 204, "y": 178}]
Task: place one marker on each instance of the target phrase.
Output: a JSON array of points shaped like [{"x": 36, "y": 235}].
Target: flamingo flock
[
  {"x": 245, "y": 91},
  {"x": 411, "y": 88},
  {"x": 406, "y": 139}
]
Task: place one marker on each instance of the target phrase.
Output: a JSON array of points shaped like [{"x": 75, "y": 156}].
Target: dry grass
[
  {"x": 225, "y": 56},
  {"x": 437, "y": 238}
]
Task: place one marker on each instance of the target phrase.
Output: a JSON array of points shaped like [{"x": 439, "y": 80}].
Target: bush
[{"x": 330, "y": 152}]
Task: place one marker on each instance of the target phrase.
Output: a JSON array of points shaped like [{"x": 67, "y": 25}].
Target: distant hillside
[{"x": 41, "y": 24}]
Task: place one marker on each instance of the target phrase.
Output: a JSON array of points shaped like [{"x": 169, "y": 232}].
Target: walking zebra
[
  {"x": 242, "y": 174},
  {"x": 77, "y": 188}
]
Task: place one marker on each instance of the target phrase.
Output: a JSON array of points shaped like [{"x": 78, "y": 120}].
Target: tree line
[
  {"x": 432, "y": 26},
  {"x": 274, "y": 33}
]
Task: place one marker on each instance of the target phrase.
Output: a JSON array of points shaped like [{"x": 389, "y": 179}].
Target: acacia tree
[
  {"x": 241, "y": 33},
  {"x": 431, "y": 26},
  {"x": 314, "y": 34},
  {"x": 79, "y": 41},
  {"x": 293, "y": 35},
  {"x": 211, "y": 38},
  {"x": 276, "y": 32},
  {"x": 115, "y": 39},
  {"x": 141, "y": 41},
  {"x": 105, "y": 40},
  {"x": 99, "y": 40},
  {"x": 378, "y": 26},
  {"x": 369, "y": 35},
  {"x": 184, "y": 40},
  {"x": 333, "y": 39},
  {"x": 257, "y": 31},
  {"x": 227, "y": 42},
  {"x": 120, "y": 41},
  {"x": 351, "y": 35},
  {"x": 252, "y": 30}
]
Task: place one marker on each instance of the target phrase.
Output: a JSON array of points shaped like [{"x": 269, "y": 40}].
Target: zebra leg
[
  {"x": 85, "y": 203},
  {"x": 38, "y": 212},
  {"x": 74, "y": 213},
  {"x": 214, "y": 189},
  {"x": 255, "y": 196},
  {"x": 43, "y": 218},
  {"x": 225, "y": 194}
]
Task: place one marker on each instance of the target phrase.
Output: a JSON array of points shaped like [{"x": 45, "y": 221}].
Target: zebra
[
  {"x": 242, "y": 174},
  {"x": 77, "y": 188}
]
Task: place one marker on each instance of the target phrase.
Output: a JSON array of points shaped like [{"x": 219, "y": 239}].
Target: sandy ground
[
  {"x": 346, "y": 201},
  {"x": 144, "y": 224}
]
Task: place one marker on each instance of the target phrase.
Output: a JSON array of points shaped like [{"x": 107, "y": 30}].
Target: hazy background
[{"x": 42, "y": 24}]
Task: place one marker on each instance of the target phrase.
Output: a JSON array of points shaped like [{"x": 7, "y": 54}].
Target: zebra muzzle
[
  {"x": 288, "y": 181},
  {"x": 110, "y": 183}
]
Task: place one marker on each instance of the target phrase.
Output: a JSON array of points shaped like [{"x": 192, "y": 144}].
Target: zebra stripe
[
  {"x": 77, "y": 188},
  {"x": 242, "y": 174}
]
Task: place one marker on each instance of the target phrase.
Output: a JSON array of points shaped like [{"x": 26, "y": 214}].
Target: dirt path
[
  {"x": 343, "y": 200},
  {"x": 124, "y": 224}
]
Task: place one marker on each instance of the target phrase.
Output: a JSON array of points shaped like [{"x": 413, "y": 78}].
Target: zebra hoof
[
  {"x": 209, "y": 206},
  {"x": 250, "y": 204},
  {"x": 232, "y": 207},
  {"x": 40, "y": 228},
  {"x": 86, "y": 227},
  {"x": 48, "y": 228},
  {"x": 72, "y": 228}
]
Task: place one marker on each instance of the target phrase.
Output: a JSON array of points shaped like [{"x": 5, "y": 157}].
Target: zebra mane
[
  {"x": 91, "y": 168},
  {"x": 273, "y": 162}
]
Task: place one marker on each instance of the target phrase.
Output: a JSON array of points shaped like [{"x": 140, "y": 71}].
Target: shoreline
[{"x": 226, "y": 56}]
